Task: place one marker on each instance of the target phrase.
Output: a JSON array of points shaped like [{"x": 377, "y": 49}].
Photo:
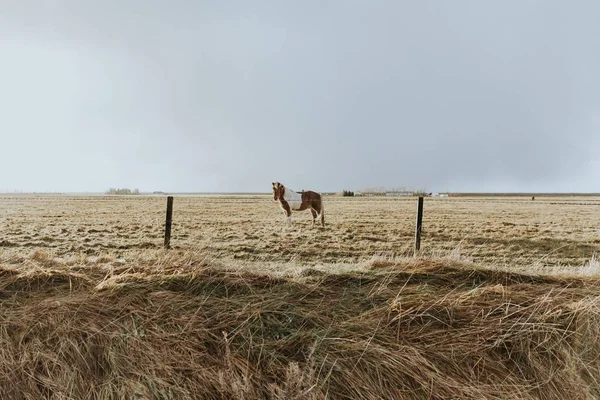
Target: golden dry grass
[
  {"x": 245, "y": 307},
  {"x": 173, "y": 326},
  {"x": 500, "y": 231}
]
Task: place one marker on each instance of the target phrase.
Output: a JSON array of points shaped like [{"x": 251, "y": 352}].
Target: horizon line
[{"x": 163, "y": 193}]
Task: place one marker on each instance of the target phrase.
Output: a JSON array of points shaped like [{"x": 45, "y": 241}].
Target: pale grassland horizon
[
  {"x": 329, "y": 192},
  {"x": 496, "y": 231}
]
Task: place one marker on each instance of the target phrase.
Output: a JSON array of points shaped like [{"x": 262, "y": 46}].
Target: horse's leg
[
  {"x": 288, "y": 216},
  {"x": 318, "y": 207},
  {"x": 287, "y": 211},
  {"x": 314, "y": 215}
]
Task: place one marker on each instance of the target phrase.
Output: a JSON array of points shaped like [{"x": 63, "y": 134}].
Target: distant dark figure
[{"x": 532, "y": 198}]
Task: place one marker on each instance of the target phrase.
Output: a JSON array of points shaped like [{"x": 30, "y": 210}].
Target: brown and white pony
[{"x": 290, "y": 200}]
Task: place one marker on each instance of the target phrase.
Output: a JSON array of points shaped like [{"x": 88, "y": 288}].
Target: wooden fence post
[
  {"x": 168, "y": 222},
  {"x": 419, "y": 225}
]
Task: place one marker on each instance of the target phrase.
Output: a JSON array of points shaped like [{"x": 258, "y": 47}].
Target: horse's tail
[{"x": 322, "y": 212}]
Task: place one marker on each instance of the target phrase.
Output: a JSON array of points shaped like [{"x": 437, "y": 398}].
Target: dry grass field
[
  {"x": 500, "y": 231},
  {"x": 502, "y": 303}
]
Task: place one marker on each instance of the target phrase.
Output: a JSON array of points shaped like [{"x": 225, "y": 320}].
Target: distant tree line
[
  {"x": 123, "y": 191},
  {"x": 347, "y": 193}
]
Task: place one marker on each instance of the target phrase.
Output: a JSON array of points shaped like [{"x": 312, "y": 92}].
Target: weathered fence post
[
  {"x": 168, "y": 222},
  {"x": 419, "y": 225}
]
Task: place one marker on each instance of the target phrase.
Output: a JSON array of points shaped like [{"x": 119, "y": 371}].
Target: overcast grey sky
[{"x": 324, "y": 95}]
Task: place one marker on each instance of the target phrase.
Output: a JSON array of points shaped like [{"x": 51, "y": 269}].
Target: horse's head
[{"x": 278, "y": 191}]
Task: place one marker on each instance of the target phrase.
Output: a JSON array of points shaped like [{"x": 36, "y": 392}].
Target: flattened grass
[{"x": 179, "y": 326}]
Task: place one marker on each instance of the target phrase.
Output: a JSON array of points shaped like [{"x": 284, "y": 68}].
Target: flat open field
[
  {"x": 501, "y": 231},
  {"x": 247, "y": 307}
]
